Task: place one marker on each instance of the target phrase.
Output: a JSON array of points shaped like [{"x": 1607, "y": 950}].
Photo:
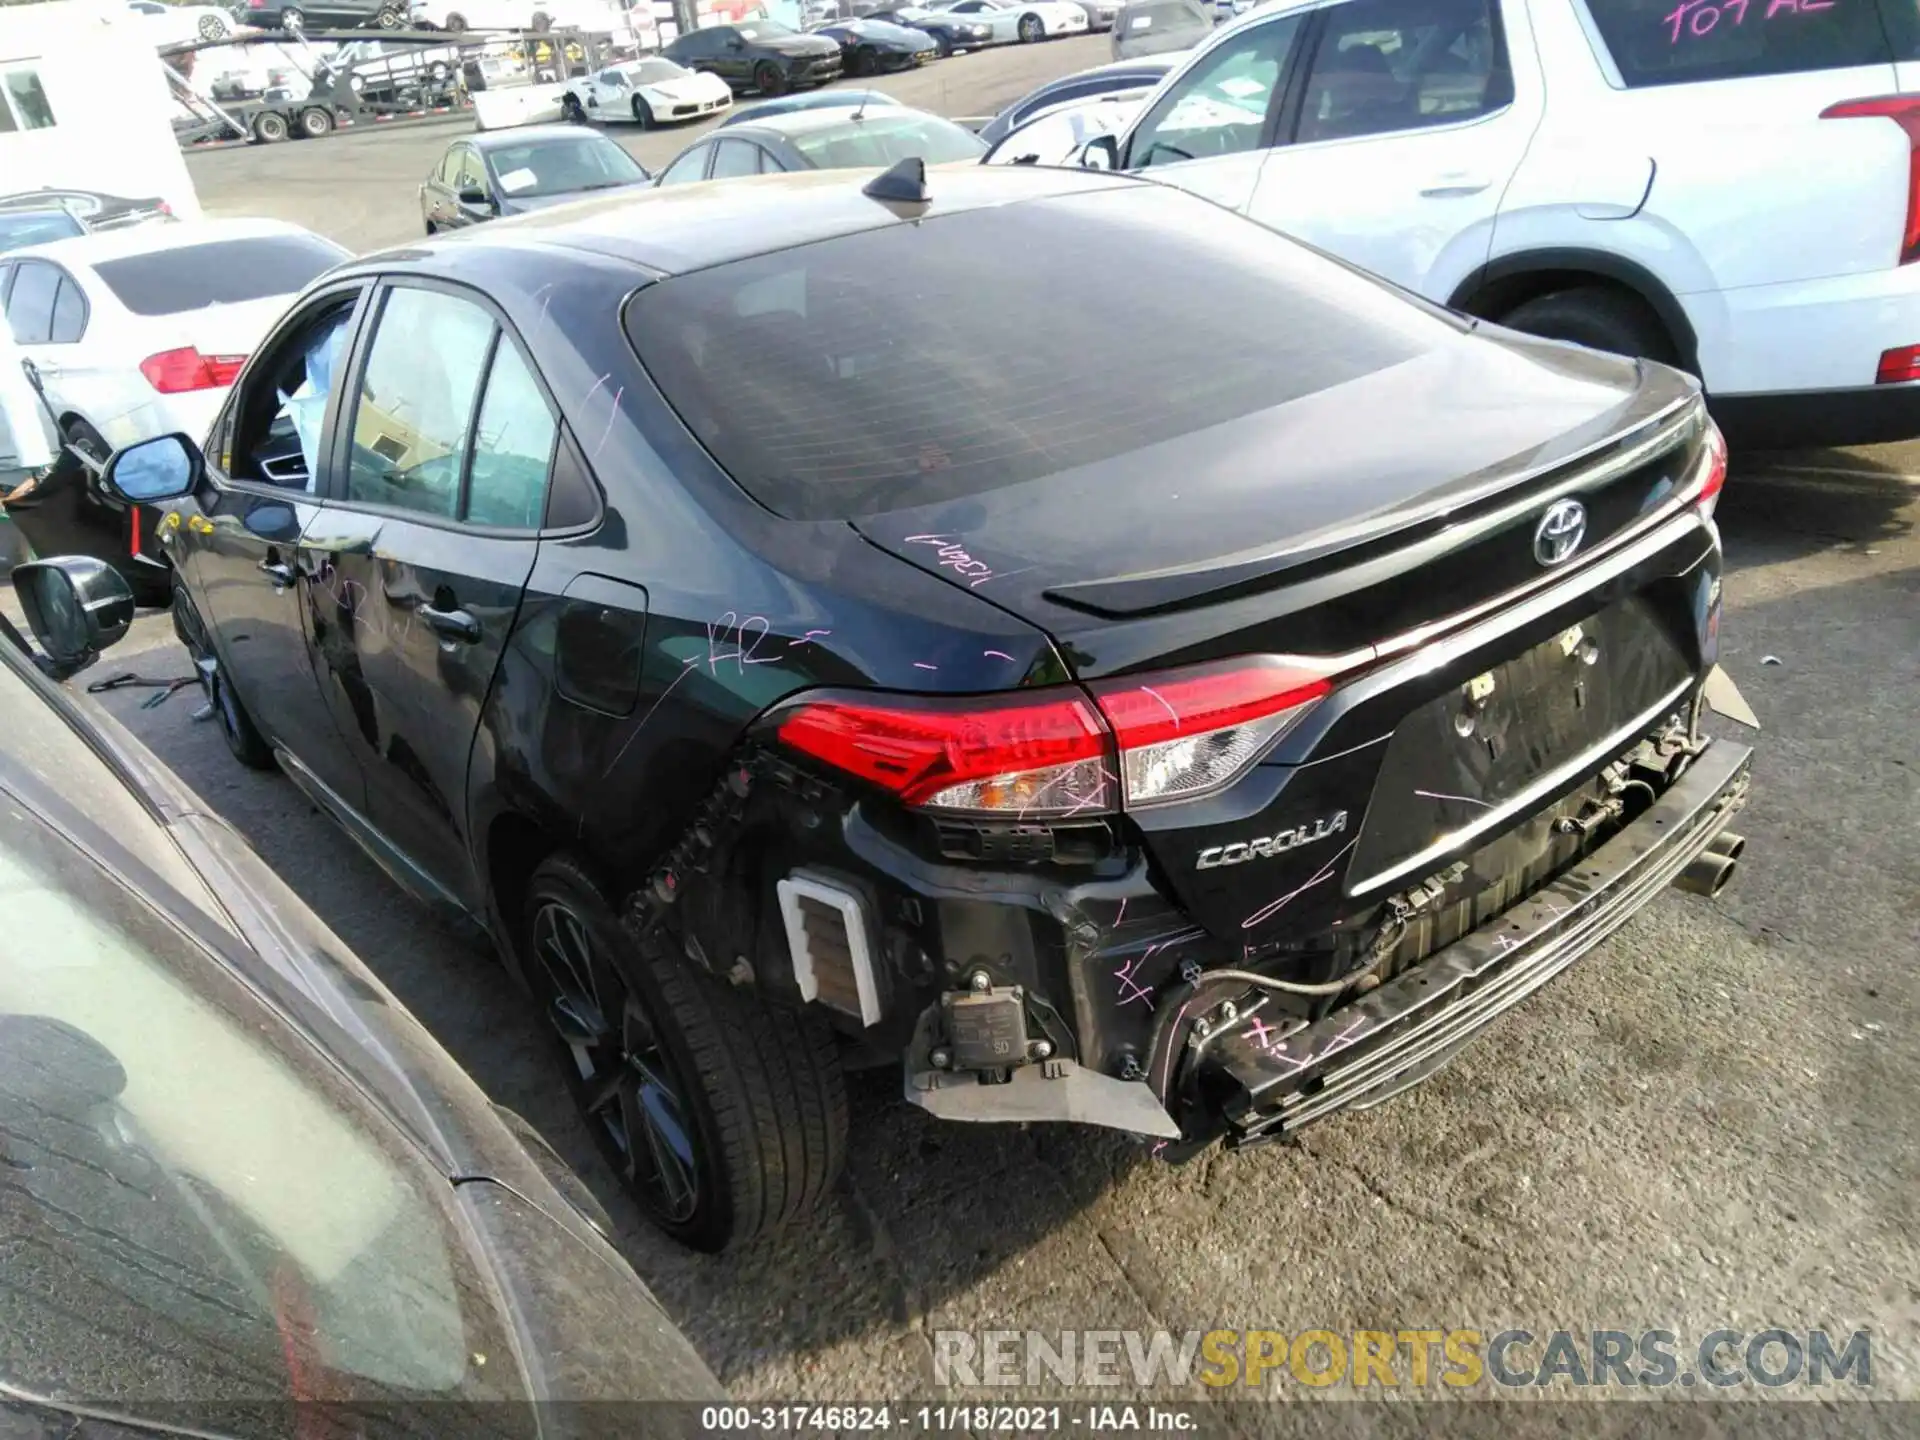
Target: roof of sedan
[
  {"x": 521, "y": 134},
  {"x": 690, "y": 227},
  {"x": 100, "y": 245}
]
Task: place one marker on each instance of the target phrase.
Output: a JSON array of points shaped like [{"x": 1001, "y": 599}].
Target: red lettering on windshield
[{"x": 1696, "y": 17}]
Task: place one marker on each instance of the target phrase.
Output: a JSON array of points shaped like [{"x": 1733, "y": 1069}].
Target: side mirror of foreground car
[
  {"x": 76, "y": 606},
  {"x": 164, "y": 468},
  {"x": 1102, "y": 152}
]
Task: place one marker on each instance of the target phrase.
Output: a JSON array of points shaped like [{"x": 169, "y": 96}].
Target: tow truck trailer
[{"x": 414, "y": 74}]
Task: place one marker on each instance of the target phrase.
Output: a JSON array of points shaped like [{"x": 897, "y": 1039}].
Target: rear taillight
[
  {"x": 1046, "y": 754},
  {"x": 1898, "y": 367},
  {"x": 1187, "y": 733},
  {"x": 1904, "y": 111},
  {"x": 1152, "y": 739},
  {"x": 173, "y": 372},
  {"x": 1710, "y": 475}
]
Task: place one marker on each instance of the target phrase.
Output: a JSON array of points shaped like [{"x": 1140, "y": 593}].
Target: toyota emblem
[{"x": 1559, "y": 532}]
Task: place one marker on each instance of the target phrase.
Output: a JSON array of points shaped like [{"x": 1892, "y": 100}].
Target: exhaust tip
[
  {"x": 1707, "y": 874},
  {"x": 1728, "y": 844}
]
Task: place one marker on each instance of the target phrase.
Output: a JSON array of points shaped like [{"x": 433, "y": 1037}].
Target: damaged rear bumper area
[{"x": 1269, "y": 1080}]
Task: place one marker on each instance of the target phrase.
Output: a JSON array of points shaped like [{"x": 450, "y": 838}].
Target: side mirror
[
  {"x": 1102, "y": 152},
  {"x": 76, "y": 606},
  {"x": 164, "y": 468},
  {"x": 479, "y": 199}
]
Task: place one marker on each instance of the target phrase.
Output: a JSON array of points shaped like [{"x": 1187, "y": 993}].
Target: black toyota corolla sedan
[
  {"x": 808, "y": 628},
  {"x": 236, "y": 1177}
]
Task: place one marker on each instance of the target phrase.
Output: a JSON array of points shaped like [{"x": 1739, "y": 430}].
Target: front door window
[{"x": 1220, "y": 107}]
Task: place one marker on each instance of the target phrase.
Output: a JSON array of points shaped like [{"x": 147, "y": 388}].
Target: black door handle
[
  {"x": 452, "y": 624},
  {"x": 280, "y": 574}
]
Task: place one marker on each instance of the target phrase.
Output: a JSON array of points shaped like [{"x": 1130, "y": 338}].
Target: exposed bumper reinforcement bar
[{"x": 1397, "y": 1035}]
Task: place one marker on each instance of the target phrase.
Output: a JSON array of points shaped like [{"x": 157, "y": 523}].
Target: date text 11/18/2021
[{"x": 1098, "y": 1419}]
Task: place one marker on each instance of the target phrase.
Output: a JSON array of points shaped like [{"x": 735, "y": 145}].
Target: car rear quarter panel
[{"x": 730, "y": 608}]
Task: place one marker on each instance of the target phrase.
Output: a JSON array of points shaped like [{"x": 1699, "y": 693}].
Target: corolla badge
[
  {"x": 1560, "y": 531},
  {"x": 1267, "y": 846}
]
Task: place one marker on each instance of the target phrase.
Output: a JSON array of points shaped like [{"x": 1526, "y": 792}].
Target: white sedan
[
  {"x": 182, "y": 24},
  {"x": 1022, "y": 20},
  {"x": 653, "y": 91},
  {"x": 140, "y": 332}
]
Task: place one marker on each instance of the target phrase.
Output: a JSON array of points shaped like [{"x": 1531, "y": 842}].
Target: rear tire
[
  {"x": 642, "y": 113},
  {"x": 243, "y": 738},
  {"x": 391, "y": 19},
  {"x": 740, "y": 1104},
  {"x": 212, "y": 27},
  {"x": 315, "y": 122},
  {"x": 1031, "y": 29},
  {"x": 292, "y": 21},
  {"x": 270, "y": 127},
  {"x": 456, "y": 24},
  {"x": 768, "y": 79},
  {"x": 542, "y": 22},
  {"x": 1597, "y": 317}
]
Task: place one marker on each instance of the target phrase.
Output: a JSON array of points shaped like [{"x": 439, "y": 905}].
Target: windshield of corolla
[
  {"x": 220, "y": 272},
  {"x": 193, "y": 1205},
  {"x": 562, "y": 166},
  {"x": 873, "y": 372},
  {"x": 880, "y": 138}
]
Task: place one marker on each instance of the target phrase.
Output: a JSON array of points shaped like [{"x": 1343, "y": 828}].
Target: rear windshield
[
  {"x": 881, "y": 140},
  {"x": 221, "y": 272},
  {"x": 915, "y": 364},
  {"x": 1667, "y": 42},
  {"x": 36, "y": 227}
]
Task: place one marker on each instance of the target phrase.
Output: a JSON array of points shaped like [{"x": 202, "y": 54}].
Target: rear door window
[
  {"x": 1669, "y": 42},
  {"x": 36, "y": 287},
  {"x": 414, "y": 413},
  {"x": 219, "y": 272},
  {"x": 1383, "y": 66},
  {"x": 69, "y": 313}
]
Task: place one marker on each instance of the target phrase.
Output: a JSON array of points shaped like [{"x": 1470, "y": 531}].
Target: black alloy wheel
[
  {"x": 626, "y": 1081},
  {"x": 723, "y": 1113},
  {"x": 643, "y": 113}
]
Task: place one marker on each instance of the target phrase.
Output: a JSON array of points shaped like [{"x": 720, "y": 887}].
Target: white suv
[{"x": 1729, "y": 185}]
